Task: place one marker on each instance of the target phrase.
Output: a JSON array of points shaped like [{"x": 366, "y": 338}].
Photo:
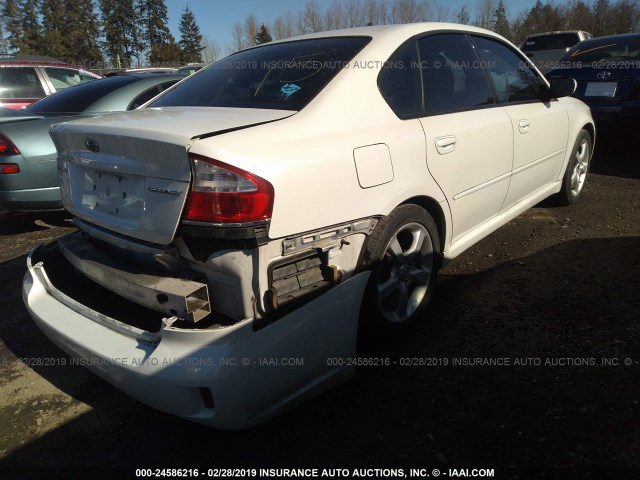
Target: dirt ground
[{"x": 555, "y": 293}]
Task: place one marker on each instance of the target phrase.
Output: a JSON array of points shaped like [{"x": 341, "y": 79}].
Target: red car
[{"x": 25, "y": 79}]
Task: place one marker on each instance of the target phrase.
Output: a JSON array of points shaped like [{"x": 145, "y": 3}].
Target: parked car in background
[
  {"x": 191, "y": 68},
  {"x": 28, "y": 172},
  {"x": 546, "y": 49},
  {"x": 607, "y": 70},
  {"x": 151, "y": 70},
  {"x": 26, "y": 78},
  {"x": 238, "y": 231}
]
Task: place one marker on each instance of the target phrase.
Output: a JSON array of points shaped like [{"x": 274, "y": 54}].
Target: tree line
[
  {"x": 599, "y": 17},
  {"x": 83, "y": 32},
  {"x": 129, "y": 33}
]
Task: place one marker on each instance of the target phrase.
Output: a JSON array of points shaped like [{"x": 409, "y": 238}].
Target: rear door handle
[
  {"x": 446, "y": 144},
  {"x": 523, "y": 126}
]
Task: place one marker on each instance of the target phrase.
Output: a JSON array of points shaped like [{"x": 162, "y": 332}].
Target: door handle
[
  {"x": 523, "y": 126},
  {"x": 446, "y": 144}
]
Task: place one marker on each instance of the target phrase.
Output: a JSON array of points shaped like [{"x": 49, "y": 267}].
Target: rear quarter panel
[{"x": 309, "y": 157}]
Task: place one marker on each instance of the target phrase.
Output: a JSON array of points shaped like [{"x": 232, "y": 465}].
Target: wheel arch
[
  {"x": 434, "y": 209},
  {"x": 591, "y": 129}
]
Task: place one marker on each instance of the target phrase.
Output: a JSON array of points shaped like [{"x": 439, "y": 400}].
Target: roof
[
  {"x": 391, "y": 34},
  {"x": 556, "y": 33},
  {"x": 408, "y": 29},
  {"x": 24, "y": 58}
]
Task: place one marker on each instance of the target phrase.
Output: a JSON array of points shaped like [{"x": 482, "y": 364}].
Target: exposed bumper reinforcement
[{"x": 185, "y": 299}]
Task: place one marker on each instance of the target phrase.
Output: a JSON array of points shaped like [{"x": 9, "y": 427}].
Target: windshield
[
  {"x": 610, "y": 49},
  {"x": 282, "y": 76},
  {"x": 75, "y": 100}
]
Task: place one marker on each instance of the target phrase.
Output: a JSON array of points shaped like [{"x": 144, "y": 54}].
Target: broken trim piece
[{"x": 326, "y": 239}]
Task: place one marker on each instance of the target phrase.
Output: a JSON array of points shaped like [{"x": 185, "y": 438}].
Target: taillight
[
  {"x": 9, "y": 168},
  {"x": 7, "y": 147},
  {"x": 222, "y": 193}
]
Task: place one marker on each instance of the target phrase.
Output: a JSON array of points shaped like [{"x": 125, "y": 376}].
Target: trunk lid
[{"x": 130, "y": 173}]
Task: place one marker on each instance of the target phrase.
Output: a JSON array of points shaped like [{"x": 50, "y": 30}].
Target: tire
[
  {"x": 402, "y": 256},
  {"x": 575, "y": 176}
]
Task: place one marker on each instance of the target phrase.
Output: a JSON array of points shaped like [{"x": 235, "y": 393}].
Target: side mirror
[{"x": 563, "y": 87}]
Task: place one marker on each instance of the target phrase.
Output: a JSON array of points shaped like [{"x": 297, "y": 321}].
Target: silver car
[{"x": 28, "y": 172}]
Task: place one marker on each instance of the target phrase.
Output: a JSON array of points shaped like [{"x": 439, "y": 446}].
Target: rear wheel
[
  {"x": 401, "y": 254},
  {"x": 575, "y": 176}
]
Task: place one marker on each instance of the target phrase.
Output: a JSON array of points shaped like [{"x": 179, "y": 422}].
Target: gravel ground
[{"x": 553, "y": 296}]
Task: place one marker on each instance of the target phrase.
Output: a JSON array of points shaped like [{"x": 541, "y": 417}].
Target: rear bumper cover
[
  {"x": 251, "y": 374},
  {"x": 31, "y": 199}
]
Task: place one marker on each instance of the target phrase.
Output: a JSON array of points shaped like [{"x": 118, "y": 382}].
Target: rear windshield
[
  {"x": 605, "y": 50},
  {"x": 77, "y": 99},
  {"x": 559, "y": 41},
  {"x": 283, "y": 76}
]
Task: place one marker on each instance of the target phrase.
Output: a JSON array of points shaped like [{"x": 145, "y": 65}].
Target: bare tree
[
  {"x": 625, "y": 16},
  {"x": 484, "y": 13},
  {"x": 375, "y": 12},
  {"x": 408, "y": 11},
  {"x": 312, "y": 17},
  {"x": 370, "y": 10},
  {"x": 334, "y": 17},
  {"x": 237, "y": 38},
  {"x": 283, "y": 26},
  {"x": 440, "y": 12},
  {"x": 300, "y": 26},
  {"x": 384, "y": 12},
  {"x": 211, "y": 51},
  {"x": 251, "y": 27},
  {"x": 354, "y": 13}
]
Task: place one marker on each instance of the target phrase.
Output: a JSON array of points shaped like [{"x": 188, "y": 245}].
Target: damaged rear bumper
[{"x": 228, "y": 377}]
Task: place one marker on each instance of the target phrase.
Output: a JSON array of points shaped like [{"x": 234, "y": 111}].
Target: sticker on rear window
[{"x": 289, "y": 89}]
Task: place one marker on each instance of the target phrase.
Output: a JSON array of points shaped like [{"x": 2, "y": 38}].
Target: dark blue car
[{"x": 607, "y": 71}]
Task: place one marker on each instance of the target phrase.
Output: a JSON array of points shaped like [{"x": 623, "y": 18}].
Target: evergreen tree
[
  {"x": 463, "y": 16},
  {"x": 82, "y": 32},
  {"x": 4, "y": 44},
  {"x": 119, "y": 29},
  {"x": 31, "y": 41},
  {"x": 190, "y": 37},
  {"x": 533, "y": 22},
  {"x": 155, "y": 32},
  {"x": 54, "y": 26},
  {"x": 12, "y": 19},
  {"x": 500, "y": 22},
  {"x": 263, "y": 35},
  {"x": 168, "y": 54}
]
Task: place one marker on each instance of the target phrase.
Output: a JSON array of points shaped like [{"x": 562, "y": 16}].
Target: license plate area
[
  {"x": 114, "y": 194},
  {"x": 601, "y": 89}
]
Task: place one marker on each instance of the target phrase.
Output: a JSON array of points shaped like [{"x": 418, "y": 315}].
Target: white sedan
[{"x": 236, "y": 233}]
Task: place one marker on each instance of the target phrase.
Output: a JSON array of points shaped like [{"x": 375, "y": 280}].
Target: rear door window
[
  {"x": 62, "y": 78},
  {"x": 20, "y": 82},
  {"x": 76, "y": 100},
  {"x": 453, "y": 76},
  {"x": 149, "y": 94}
]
